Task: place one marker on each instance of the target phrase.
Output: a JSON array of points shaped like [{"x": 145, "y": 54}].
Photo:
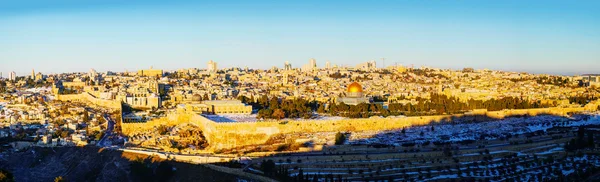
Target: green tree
[
  {"x": 590, "y": 141},
  {"x": 321, "y": 108},
  {"x": 268, "y": 167},
  {"x": 274, "y": 103},
  {"x": 340, "y": 138},
  {"x": 243, "y": 99},
  {"x": 265, "y": 113},
  {"x": 59, "y": 179},
  {"x": 6, "y": 176},
  {"x": 2, "y": 86},
  {"x": 278, "y": 114},
  {"x": 162, "y": 129}
]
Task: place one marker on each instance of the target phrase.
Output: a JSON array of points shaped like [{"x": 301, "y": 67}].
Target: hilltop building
[
  {"x": 39, "y": 76},
  {"x": 591, "y": 80},
  {"x": 12, "y": 76},
  {"x": 211, "y": 66},
  {"x": 150, "y": 72},
  {"x": 222, "y": 107},
  {"x": 367, "y": 66},
  {"x": 287, "y": 66},
  {"x": 354, "y": 95},
  {"x": 311, "y": 66}
]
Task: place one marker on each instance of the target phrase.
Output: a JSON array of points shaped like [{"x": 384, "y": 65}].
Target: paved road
[
  {"x": 196, "y": 159},
  {"x": 109, "y": 130}
]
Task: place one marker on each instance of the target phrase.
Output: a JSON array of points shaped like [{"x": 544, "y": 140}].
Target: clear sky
[{"x": 560, "y": 37}]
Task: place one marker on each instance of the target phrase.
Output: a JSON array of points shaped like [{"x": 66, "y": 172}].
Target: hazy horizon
[
  {"x": 203, "y": 67},
  {"x": 553, "y": 37}
]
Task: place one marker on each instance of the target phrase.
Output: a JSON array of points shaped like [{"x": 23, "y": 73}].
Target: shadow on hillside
[
  {"x": 96, "y": 164},
  {"x": 426, "y": 152}
]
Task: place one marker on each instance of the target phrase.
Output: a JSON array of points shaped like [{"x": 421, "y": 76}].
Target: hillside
[{"x": 94, "y": 164}]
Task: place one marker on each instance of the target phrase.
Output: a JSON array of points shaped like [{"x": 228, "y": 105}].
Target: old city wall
[
  {"x": 228, "y": 135},
  {"x": 253, "y": 133},
  {"x": 172, "y": 119},
  {"x": 86, "y": 97}
]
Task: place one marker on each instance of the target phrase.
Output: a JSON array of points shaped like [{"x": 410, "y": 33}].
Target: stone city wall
[
  {"x": 229, "y": 135},
  {"x": 87, "y": 97}
]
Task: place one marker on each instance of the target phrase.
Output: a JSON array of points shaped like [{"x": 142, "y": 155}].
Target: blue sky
[{"x": 559, "y": 37}]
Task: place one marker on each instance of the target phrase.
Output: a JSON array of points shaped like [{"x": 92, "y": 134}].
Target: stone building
[
  {"x": 354, "y": 95},
  {"x": 150, "y": 72},
  {"x": 222, "y": 107},
  {"x": 211, "y": 66}
]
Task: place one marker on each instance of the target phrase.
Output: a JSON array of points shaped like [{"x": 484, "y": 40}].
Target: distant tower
[
  {"x": 12, "y": 76},
  {"x": 287, "y": 66},
  {"x": 92, "y": 74},
  {"x": 311, "y": 66},
  {"x": 32, "y": 74},
  {"x": 373, "y": 65},
  {"x": 328, "y": 65},
  {"x": 212, "y": 66}
]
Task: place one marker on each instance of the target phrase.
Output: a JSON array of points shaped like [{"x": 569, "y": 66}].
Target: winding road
[{"x": 109, "y": 130}]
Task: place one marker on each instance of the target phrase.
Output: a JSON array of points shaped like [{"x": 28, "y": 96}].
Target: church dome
[{"x": 354, "y": 88}]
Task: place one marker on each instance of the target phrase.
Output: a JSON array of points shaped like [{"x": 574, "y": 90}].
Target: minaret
[{"x": 32, "y": 74}]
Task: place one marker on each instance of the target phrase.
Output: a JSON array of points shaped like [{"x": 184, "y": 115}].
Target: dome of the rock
[{"x": 354, "y": 88}]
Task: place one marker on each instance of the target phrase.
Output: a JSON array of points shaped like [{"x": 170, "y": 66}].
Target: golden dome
[{"x": 354, "y": 88}]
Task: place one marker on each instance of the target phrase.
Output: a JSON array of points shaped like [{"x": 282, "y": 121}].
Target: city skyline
[
  {"x": 320, "y": 65},
  {"x": 537, "y": 37},
  {"x": 388, "y": 90}
]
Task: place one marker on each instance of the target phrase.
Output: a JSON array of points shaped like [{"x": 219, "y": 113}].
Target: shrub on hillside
[
  {"x": 340, "y": 138},
  {"x": 6, "y": 176}
]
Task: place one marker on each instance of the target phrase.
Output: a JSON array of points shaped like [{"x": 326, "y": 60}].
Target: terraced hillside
[{"x": 538, "y": 148}]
